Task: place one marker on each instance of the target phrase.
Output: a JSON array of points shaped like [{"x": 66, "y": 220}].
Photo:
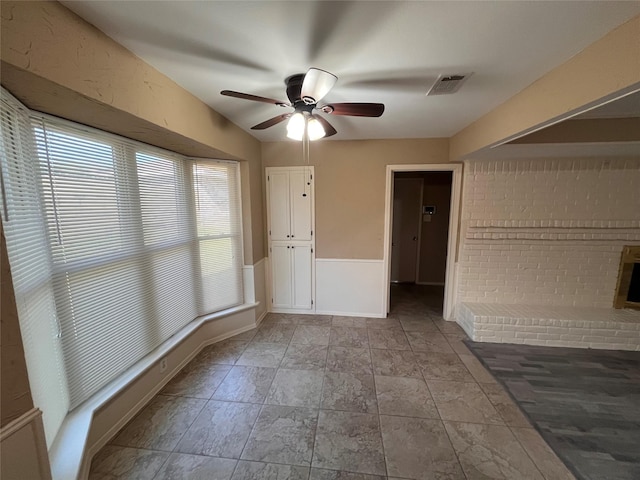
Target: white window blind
[
  {"x": 217, "y": 188},
  {"x": 139, "y": 242},
  {"x": 23, "y": 222}
]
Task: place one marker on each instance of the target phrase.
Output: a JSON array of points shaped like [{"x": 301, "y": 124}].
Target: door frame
[{"x": 452, "y": 242}]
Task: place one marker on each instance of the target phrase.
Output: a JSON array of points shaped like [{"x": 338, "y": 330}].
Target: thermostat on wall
[{"x": 428, "y": 209}]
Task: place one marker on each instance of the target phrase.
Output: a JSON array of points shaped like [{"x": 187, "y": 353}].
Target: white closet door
[
  {"x": 301, "y": 255},
  {"x": 279, "y": 205},
  {"x": 300, "y": 205},
  {"x": 281, "y": 275}
]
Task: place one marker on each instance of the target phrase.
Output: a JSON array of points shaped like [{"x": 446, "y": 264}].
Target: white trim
[
  {"x": 248, "y": 284},
  {"x": 19, "y": 423},
  {"x": 261, "y": 317},
  {"x": 122, "y": 421},
  {"x": 67, "y": 453},
  {"x": 23, "y": 443},
  {"x": 351, "y": 314},
  {"x": 300, "y": 311},
  {"x": 262, "y": 260},
  {"x": 452, "y": 244},
  {"x": 350, "y": 260},
  {"x": 349, "y": 287}
]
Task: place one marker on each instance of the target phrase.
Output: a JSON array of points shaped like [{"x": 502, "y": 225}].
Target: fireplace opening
[
  {"x": 628, "y": 288},
  {"x": 634, "y": 286}
]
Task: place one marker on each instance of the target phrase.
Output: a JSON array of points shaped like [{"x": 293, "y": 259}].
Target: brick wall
[{"x": 547, "y": 232}]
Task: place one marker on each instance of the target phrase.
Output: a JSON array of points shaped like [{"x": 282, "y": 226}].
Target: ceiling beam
[
  {"x": 585, "y": 130},
  {"x": 603, "y": 71}
]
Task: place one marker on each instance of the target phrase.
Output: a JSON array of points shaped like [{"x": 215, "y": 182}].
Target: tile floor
[{"x": 334, "y": 398}]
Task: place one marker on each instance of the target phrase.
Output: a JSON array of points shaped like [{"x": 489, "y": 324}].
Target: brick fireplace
[{"x": 542, "y": 242}]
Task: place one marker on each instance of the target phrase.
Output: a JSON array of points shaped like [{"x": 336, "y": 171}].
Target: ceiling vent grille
[{"x": 448, "y": 84}]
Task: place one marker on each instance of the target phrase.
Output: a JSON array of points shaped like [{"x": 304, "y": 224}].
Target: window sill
[{"x": 67, "y": 453}]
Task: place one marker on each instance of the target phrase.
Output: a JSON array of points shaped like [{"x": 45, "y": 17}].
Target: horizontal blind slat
[{"x": 139, "y": 241}]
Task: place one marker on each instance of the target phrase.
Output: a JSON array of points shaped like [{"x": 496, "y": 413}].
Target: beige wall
[
  {"x": 57, "y": 63},
  {"x": 350, "y": 187},
  {"x": 14, "y": 382},
  {"x": 608, "y": 66}
]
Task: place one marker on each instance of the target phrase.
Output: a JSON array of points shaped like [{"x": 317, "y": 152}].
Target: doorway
[
  {"x": 421, "y": 228},
  {"x": 405, "y": 249}
]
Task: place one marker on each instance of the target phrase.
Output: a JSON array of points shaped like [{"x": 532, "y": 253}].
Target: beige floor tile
[
  {"x": 490, "y": 451},
  {"x": 181, "y": 466},
  {"x": 507, "y": 408},
  {"x": 353, "y": 392},
  {"x": 545, "y": 459},
  {"x": 404, "y": 396},
  {"x": 349, "y": 441},
  {"x": 126, "y": 463},
  {"x": 418, "y": 448},
  {"x": 463, "y": 402},
  {"x": 161, "y": 424}
]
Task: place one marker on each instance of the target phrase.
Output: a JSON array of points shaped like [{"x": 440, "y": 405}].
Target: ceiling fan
[{"x": 304, "y": 92}]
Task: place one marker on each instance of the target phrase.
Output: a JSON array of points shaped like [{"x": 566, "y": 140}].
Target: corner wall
[
  {"x": 350, "y": 187},
  {"x": 547, "y": 232},
  {"x": 55, "y": 62}
]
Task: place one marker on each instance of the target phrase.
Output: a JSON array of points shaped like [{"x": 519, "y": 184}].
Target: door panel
[
  {"x": 406, "y": 223},
  {"x": 301, "y": 255},
  {"x": 279, "y": 205},
  {"x": 281, "y": 271},
  {"x": 300, "y": 205}
]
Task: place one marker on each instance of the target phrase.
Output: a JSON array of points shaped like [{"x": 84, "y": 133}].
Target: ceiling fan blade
[
  {"x": 271, "y": 122},
  {"x": 255, "y": 98},
  {"x": 328, "y": 128},
  {"x": 354, "y": 109},
  {"x": 316, "y": 85}
]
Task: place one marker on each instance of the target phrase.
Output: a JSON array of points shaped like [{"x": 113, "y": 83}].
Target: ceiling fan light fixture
[
  {"x": 316, "y": 85},
  {"x": 296, "y": 126},
  {"x": 315, "y": 130}
]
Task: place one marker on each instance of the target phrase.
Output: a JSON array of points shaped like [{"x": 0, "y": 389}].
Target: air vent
[{"x": 448, "y": 84}]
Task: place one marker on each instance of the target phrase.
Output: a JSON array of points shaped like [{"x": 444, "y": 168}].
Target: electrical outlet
[{"x": 163, "y": 365}]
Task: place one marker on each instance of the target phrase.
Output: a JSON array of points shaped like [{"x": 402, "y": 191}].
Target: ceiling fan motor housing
[{"x": 294, "y": 87}]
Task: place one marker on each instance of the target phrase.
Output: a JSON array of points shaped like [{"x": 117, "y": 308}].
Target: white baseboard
[
  {"x": 293, "y": 310},
  {"x": 261, "y": 317},
  {"x": 122, "y": 421},
  {"x": 350, "y": 314},
  {"x": 89, "y": 427},
  {"x": 350, "y": 287}
]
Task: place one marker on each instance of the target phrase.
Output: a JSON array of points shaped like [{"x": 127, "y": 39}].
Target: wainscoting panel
[
  {"x": 349, "y": 287},
  {"x": 23, "y": 449}
]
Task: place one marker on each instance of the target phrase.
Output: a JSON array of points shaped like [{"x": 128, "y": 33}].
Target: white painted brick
[
  {"x": 549, "y": 230},
  {"x": 552, "y": 325}
]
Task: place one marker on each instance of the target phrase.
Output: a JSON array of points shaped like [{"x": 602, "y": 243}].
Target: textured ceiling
[{"x": 389, "y": 52}]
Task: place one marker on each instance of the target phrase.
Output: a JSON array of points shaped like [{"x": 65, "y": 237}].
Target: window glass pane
[
  {"x": 161, "y": 204},
  {"x": 82, "y": 198}
]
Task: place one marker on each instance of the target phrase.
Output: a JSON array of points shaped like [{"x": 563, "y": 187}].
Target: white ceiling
[{"x": 388, "y": 52}]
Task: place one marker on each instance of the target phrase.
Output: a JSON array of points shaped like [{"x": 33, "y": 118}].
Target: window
[{"x": 131, "y": 243}]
